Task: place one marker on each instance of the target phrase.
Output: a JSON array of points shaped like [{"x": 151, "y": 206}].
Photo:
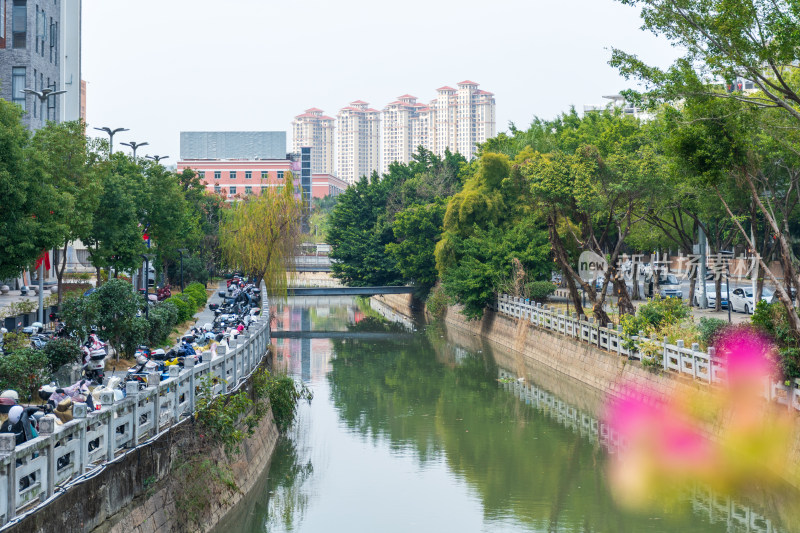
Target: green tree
[
  {"x": 359, "y": 235},
  {"x": 487, "y": 225},
  {"x": 59, "y": 156},
  {"x": 117, "y": 306},
  {"x": 592, "y": 190},
  {"x": 259, "y": 235},
  {"x": 727, "y": 41},
  {"x": 417, "y": 230},
  {"x": 171, "y": 222},
  {"x": 115, "y": 237},
  {"x": 30, "y": 204}
]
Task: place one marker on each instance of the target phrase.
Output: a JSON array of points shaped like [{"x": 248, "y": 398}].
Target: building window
[
  {"x": 233, "y": 189},
  {"x": 280, "y": 174},
  {"x": 202, "y": 174},
  {"x": 53, "y": 41},
  {"x": 264, "y": 175},
  {"x": 233, "y": 174},
  {"x": 248, "y": 174},
  {"x": 3, "y": 21},
  {"x": 217, "y": 174},
  {"x": 217, "y": 189},
  {"x": 51, "y": 105},
  {"x": 248, "y": 190},
  {"x": 19, "y": 24},
  {"x": 17, "y": 84}
]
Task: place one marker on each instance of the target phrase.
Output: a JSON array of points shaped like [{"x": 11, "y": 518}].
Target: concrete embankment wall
[
  {"x": 606, "y": 372},
  {"x": 137, "y": 493}
]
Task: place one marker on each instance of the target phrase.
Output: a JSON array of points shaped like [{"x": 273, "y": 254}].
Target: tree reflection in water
[{"x": 287, "y": 501}]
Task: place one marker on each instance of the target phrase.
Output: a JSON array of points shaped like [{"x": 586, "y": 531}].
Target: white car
[
  {"x": 742, "y": 298},
  {"x": 711, "y": 295}
]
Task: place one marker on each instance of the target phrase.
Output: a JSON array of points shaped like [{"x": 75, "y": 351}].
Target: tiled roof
[
  {"x": 314, "y": 109},
  {"x": 467, "y": 82},
  {"x": 445, "y": 88},
  {"x": 358, "y": 102},
  {"x": 406, "y": 96}
]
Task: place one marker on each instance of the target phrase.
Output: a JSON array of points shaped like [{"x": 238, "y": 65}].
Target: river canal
[{"x": 431, "y": 430}]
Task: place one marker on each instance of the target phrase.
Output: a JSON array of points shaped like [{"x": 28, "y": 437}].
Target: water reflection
[{"x": 416, "y": 432}]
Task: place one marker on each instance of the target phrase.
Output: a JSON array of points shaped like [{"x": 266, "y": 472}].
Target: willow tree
[{"x": 259, "y": 234}]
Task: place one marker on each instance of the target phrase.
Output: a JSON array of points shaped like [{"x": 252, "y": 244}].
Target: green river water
[{"x": 431, "y": 430}]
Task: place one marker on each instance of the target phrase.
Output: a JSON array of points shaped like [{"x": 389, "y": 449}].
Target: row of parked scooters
[{"x": 241, "y": 304}]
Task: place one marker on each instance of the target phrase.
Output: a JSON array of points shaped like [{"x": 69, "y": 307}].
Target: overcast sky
[{"x": 160, "y": 67}]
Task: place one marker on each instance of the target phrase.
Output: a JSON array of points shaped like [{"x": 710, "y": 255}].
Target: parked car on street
[
  {"x": 742, "y": 299},
  {"x": 711, "y": 295},
  {"x": 669, "y": 286}
]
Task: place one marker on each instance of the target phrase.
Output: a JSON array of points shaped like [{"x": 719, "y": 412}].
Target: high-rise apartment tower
[
  {"x": 315, "y": 130},
  {"x": 358, "y": 141}
]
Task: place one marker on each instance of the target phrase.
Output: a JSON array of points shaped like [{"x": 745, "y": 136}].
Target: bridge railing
[
  {"x": 31, "y": 473},
  {"x": 689, "y": 361}
]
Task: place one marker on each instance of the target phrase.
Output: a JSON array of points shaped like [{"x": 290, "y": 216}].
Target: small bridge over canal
[{"x": 348, "y": 291}]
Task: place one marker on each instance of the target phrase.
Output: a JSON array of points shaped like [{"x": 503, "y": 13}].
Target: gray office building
[{"x": 40, "y": 49}]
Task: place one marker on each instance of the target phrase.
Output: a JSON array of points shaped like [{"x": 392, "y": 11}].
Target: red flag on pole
[{"x": 44, "y": 258}]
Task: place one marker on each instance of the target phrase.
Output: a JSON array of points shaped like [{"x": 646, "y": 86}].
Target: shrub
[
  {"x": 199, "y": 290},
  {"x": 163, "y": 317},
  {"x": 773, "y": 320},
  {"x": 437, "y": 302},
  {"x": 185, "y": 309},
  {"x": 539, "y": 291},
  {"x": 24, "y": 371},
  {"x": 658, "y": 311},
  {"x": 709, "y": 329},
  {"x": 16, "y": 341},
  {"x": 60, "y": 352}
]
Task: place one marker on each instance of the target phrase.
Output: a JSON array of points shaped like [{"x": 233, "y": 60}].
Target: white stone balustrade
[
  {"x": 689, "y": 361},
  {"x": 31, "y": 472}
]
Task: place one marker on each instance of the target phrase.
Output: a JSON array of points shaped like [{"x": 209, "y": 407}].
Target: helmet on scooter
[
  {"x": 141, "y": 359},
  {"x": 10, "y": 394}
]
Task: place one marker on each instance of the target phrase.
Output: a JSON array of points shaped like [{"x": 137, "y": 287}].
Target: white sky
[{"x": 166, "y": 66}]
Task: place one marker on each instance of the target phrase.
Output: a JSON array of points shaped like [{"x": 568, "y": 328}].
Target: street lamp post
[
  {"x": 147, "y": 258},
  {"x": 134, "y": 145},
  {"x": 157, "y": 158},
  {"x": 111, "y": 134},
  {"x": 42, "y": 95},
  {"x": 182, "y": 251}
]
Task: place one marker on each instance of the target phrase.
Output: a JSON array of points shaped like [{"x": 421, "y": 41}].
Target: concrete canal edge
[
  {"x": 138, "y": 493},
  {"x": 601, "y": 370}
]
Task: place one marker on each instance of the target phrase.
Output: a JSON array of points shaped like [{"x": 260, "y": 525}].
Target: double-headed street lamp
[
  {"x": 134, "y": 145},
  {"x": 111, "y": 134},
  {"x": 42, "y": 95},
  {"x": 157, "y": 158}
]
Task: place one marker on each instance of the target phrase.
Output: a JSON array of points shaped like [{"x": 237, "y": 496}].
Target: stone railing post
[
  {"x": 107, "y": 401},
  {"x": 132, "y": 392},
  {"x": 47, "y": 428},
  {"x": 695, "y": 351},
  {"x": 189, "y": 365},
  {"x": 80, "y": 412},
  {"x": 8, "y": 443},
  {"x": 154, "y": 380},
  {"x": 712, "y": 352}
]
